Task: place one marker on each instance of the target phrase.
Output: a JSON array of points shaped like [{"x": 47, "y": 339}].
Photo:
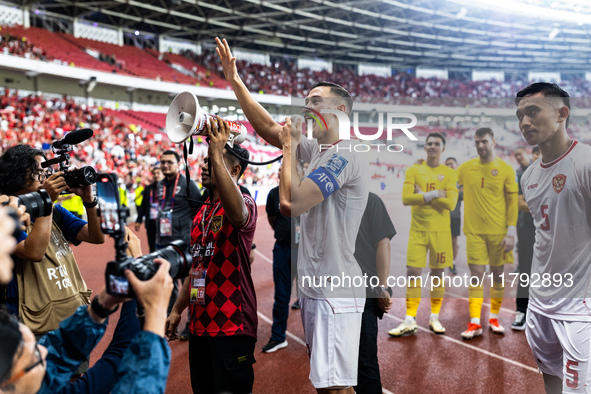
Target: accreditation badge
[
  {"x": 166, "y": 224},
  {"x": 198, "y": 285}
]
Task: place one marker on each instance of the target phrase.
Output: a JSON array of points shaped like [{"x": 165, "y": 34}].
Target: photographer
[
  {"x": 48, "y": 286},
  {"x": 220, "y": 283},
  {"x": 46, "y": 367}
]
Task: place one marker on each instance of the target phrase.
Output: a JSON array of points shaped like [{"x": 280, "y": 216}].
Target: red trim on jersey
[{"x": 560, "y": 158}]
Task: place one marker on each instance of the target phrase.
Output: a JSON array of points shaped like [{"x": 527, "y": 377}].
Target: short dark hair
[
  {"x": 339, "y": 91},
  {"x": 481, "y": 132},
  {"x": 12, "y": 344},
  {"x": 171, "y": 152},
  {"x": 17, "y": 167},
  {"x": 548, "y": 90},
  {"x": 242, "y": 153},
  {"x": 452, "y": 158},
  {"x": 436, "y": 135},
  {"x": 535, "y": 149}
]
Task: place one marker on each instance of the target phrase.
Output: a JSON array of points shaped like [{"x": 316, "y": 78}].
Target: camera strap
[{"x": 186, "y": 157}]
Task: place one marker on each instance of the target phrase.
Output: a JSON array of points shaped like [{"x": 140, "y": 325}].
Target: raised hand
[{"x": 228, "y": 61}]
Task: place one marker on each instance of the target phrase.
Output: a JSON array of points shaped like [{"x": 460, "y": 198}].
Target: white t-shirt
[
  {"x": 559, "y": 197},
  {"x": 329, "y": 229}
]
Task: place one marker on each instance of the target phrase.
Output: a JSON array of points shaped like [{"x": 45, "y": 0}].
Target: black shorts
[
  {"x": 456, "y": 225},
  {"x": 222, "y": 364}
]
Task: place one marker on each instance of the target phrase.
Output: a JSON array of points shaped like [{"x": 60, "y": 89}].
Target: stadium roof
[{"x": 508, "y": 35}]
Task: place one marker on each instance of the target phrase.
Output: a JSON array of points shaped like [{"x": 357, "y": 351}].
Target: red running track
[{"x": 422, "y": 363}]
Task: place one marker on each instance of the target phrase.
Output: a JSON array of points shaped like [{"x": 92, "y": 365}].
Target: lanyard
[
  {"x": 173, "y": 193},
  {"x": 205, "y": 230}
]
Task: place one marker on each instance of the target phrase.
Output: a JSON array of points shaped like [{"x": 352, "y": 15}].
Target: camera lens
[
  {"x": 176, "y": 253},
  {"x": 81, "y": 177},
  {"x": 37, "y": 204}
]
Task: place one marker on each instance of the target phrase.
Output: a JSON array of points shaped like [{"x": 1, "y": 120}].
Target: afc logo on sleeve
[
  {"x": 336, "y": 164},
  {"x": 325, "y": 180}
]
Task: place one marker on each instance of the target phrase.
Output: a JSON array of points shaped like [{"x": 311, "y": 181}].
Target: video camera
[
  {"x": 61, "y": 149},
  {"x": 113, "y": 223}
]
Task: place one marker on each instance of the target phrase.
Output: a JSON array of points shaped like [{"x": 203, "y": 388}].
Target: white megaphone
[{"x": 186, "y": 118}]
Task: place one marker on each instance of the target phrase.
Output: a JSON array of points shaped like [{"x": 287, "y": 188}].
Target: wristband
[
  {"x": 100, "y": 310},
  {"x": 429, "y": 196},
  {"x": 512, "y": 231},
  {"x": 92, "y": 204}
]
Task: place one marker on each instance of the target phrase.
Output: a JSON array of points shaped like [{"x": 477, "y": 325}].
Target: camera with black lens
[
  {"x": 113, "y": 217},
  {"x": 37, "y": 204},
  {"x": 61, "y": 149}
]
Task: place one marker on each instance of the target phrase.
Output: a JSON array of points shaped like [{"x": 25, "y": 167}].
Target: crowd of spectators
[
  {"x": 20, "y": 46},
  {"x": 116, "y": 146},
  {"x": 283, "y": 77}
]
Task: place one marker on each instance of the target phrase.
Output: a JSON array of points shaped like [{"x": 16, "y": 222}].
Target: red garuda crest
[
  {"x": 494, "y": 172},
  {"x": 558, "y": 182}
]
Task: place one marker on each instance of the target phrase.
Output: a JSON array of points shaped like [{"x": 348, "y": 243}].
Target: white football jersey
[
  {"x": 559, "y": 197},
  {"x": 329, "y": 229}
]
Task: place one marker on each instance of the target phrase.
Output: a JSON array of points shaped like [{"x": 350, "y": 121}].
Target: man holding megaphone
[{"x": 219, "y": 290}]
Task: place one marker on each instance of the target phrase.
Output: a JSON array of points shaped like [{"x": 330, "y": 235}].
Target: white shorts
[
  {"x": 561, "y": 348},
  {"x": 333, "y": 343}
]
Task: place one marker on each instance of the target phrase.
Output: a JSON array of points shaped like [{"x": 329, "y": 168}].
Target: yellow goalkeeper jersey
[
  {"x": 490, "y": 196},
  {"x": 433, "y": 216}
]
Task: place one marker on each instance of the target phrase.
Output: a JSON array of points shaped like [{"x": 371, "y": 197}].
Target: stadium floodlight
[{"x": 514, "y": 7}]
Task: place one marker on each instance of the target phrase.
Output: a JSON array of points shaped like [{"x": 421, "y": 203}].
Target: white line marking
[
  {"x": 289, "y": 334},
  {"x": 484, "y": 303},
  {"x": 458, "y": 342},
  {"x": 268, "y": 260}
]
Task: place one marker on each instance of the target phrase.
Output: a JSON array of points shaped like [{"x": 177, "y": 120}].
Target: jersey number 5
[
  {"x": 574, "y": 382},
  {"x": 546, "y": 224}
]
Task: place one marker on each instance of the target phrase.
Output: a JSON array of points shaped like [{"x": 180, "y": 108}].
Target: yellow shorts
[
  {"x": 437, "y": 243},
  {"x": 485, "y": 249}
]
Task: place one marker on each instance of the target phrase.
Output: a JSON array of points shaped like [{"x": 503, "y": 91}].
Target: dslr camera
[
  {"x": 61, "y": 149},
  {"x": 113, "y": 223},
  {"x": 37, "y": 204}
]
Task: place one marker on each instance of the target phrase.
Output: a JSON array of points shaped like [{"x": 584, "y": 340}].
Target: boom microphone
[
  {"x": 73, "y": 138},
  {"x": 77, "y": 136}
]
